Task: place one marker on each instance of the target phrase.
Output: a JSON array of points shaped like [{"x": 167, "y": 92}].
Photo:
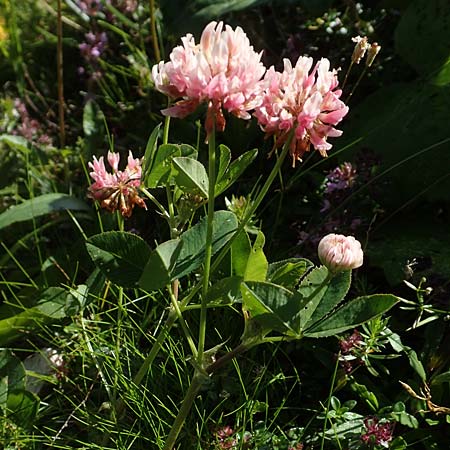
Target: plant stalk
[
  {"x": 188, "y": 401},
  {"x": 333, "y": 380},
  {"x": 193, "y": 390},
  {"x": 208, "y": 244},
  {"x": 253, "y": 207},
  {"x": 59, "y": 65},
  {"x": 153, "y": 30}
]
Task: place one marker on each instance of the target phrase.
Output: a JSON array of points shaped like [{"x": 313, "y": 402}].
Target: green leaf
[
  {"x": 160, "y": 171},
  {"x": 235, "y": 170},
  {"x": 336, "y": 291},
  {"x": 400, "y": 415},
  {"x": 288, "y": 272},
  {"x": 225, "y": 291},
  {"x": 22, "y": 407},
  {"x": 192, "y": 252},
  {"x": 352, "y": 314},
  {"x": 441, "y": 378},
  {"x": 312, "y": 289},
  {"x": 12, "y": 375},
  {"x": 52, "y": 303},
  {"x": 119, "y": 255},
  {"x": 16, "y": 142},
  {"x": 158, "y": 270},
  {"x": 50, "y": 306},
  {"x": 413, "y": 162},
  {"x": 93, "y": 125},
  {"x": 150, "y": 151},
  {"x": 181, "y": 16},
  {"x": 256, "y": 267},
  {"x": 421, "y": 36},
  {"x": 365, "y": 394},
  {"x": 398, "y": 444},
  {"x": 240, "y": 251},
  {"x": 15, "y": 326},
  {"x": 415, "y": 363},
  {"x": 272, "y": 306},
  {"x": 40, "y": 206},
  {"x": 190, "y": 176},
  {"x": 223, "y": 161}
]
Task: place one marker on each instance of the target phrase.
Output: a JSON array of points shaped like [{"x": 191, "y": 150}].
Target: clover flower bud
[
  {"x": 372, "y": 52},
  {"x": 362, "y": 45},
  {"x": 338, "y": 252}
]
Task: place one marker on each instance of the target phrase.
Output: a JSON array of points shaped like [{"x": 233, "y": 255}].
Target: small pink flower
[
  {"x": 338, "y": 252},
  {"x": 116, "y": 190},
  {"x": 304, "y": 100},
  {"x": 222, "y": 70}
]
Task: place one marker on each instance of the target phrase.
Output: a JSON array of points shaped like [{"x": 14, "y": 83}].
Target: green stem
[
  {"x": 156, "y": 202},
  {"x": 153, "y": 29},
  {"x": 179, "y": 315},
  {"x": 361, "y": 76},
  {"x": 59, "y": 64},
  {"x": 166, "y": 130},
  {"x": 186, "y": 406},
  {"x": 333, "y": 380},
  {"x": 172, "y": 221},
  {"x": 208, "y": 244},
  {"x": 192, "y": 392},
  {"x": 251, "y": 210},
  {"x": 225, "y": 359},
  {"x": 120, "y": 311},
  {"x": 120, "y": 222}
]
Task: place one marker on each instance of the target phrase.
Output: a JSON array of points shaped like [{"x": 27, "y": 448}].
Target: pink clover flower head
[
  {"x": 116, "y": 191},
  {"x": 377, "y": 433},
  {"x": 338, "y": 252},
  {"x": 222, "y": 70},
  {"x": 303, "y": 98}
]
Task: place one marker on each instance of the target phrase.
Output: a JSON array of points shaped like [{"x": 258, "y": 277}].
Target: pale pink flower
[
  {"x": 303, "y": 98},
  {"x": 338, "y": 252},
  {"x": 117, "y": 190},
  {"x": 222, "y": 70}
]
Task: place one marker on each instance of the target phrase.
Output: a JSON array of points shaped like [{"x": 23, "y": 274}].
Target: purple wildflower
[
  {"x": 90, "y": 7},
  {"x": 341, "y": 178},
  {"x": 224, "y": 437},
  {"x": 377, "y": 433},
  {"x": 349, "y": 351},
  {"x": 93, "y": 47},
  {"x": 29, "y": 128}
]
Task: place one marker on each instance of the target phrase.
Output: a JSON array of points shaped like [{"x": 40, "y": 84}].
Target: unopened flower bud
[
  {"x": 362, "y": 45},
  {"x": 338, "y": 252},
  {"x": 372, "y": 52}
]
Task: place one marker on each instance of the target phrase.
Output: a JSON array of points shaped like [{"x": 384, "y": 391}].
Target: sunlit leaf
[{"x": 40, "y": 206}]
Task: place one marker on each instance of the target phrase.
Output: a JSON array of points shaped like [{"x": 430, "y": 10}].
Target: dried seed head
[
  {"x": 362, "y": 45},
  {"x": 372, "y": 52}
]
